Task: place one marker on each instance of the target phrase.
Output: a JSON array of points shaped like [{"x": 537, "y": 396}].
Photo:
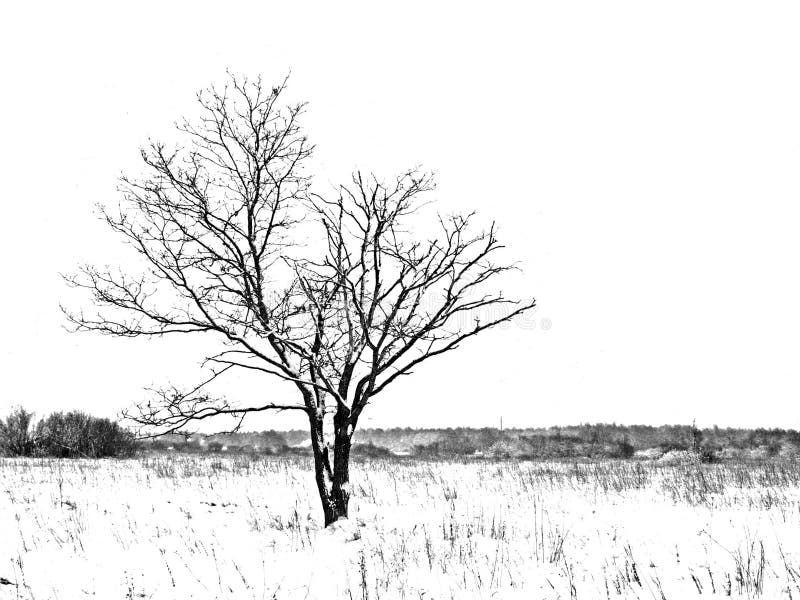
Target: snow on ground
[{"x": 240, "y": 527}]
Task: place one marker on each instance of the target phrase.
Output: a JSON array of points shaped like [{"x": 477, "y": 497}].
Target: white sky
[{"x": 642, "y": 159}]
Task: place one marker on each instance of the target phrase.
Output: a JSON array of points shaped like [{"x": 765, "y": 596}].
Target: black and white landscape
[{"x": 423, "y": 301}]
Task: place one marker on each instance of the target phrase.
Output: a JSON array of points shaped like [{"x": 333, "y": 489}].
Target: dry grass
[{"x": 241, "y": 527}]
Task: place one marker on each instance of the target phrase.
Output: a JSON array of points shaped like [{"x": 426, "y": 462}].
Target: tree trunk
[
  {"x": 333, "y": 482},
  {"x": 340, "y": 489}
]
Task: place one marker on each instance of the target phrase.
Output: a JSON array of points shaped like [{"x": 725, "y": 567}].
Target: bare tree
[
  {"x": 218, "y": 224},
  {"x": 17, "y": 436}
]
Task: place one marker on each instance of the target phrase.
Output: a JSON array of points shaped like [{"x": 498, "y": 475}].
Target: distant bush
[
  {"x": 64, "y": 435},
  {"x": 623, "y": 448},
  {"x": 16, "y": 433},
  {"x": 789, "y": 451},
  {"x": 77, "y": 435},
  {"x": 370, "y": 450},
  {"x": 519, "y": 448},
  {"x": 431, "y": 450},
  {"x": 708, "y": 455}
]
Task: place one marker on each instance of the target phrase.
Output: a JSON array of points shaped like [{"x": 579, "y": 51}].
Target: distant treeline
[
  {"x": 71, "y": 434},
  {"x": 580, "y": 441},
  {"x": 75, "y": 434}
]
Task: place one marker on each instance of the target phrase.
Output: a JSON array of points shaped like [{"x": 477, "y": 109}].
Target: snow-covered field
[{"x": 241, "y": 527}]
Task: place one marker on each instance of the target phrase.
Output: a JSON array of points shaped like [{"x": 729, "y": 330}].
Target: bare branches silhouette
[{"x": 218, "y": 221}]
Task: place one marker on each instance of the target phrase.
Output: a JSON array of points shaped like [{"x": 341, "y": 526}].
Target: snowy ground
[{"x": 236, "y": 527}]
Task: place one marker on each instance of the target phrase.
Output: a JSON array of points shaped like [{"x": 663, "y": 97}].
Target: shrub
[
  {"x": 426, "y": 450},
  {"x": 789, "y": 451},
  {"x": 63, "y": 435},
  {"x": 16, "y": 433},
  {"x": 78, "y": 435},
  {"x": 370, "y": 450},
  {"x": 622, "y": 448}
]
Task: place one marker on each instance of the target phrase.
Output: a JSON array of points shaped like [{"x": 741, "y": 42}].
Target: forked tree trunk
[{"x": 333, "y": 477}]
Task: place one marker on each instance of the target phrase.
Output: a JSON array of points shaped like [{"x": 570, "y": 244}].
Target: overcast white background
[{"x": 642, "y": 160}]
